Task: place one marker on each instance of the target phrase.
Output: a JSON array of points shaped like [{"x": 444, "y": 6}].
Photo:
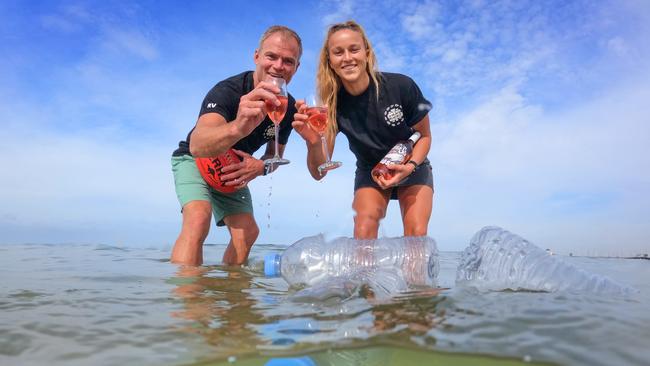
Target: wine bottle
[{"x": 399, "y": 154}]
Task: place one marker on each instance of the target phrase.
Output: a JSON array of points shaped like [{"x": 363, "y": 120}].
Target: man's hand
[
  {"x": 252, "y": 106},
  {"x": 241, "y": 173},
  {"x": 401, "y": 171}
]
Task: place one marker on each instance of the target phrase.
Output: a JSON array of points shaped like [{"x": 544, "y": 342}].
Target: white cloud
[
  {"x": 552, "y": 175},
  {"x": 70, "y": 18},
  {"x": 391, "y": 58},
  {"x": 343, "y": 11},
  {"x": 85, "y": 188},
  {"x": 59, "y": 23},
  {"x": 422, "y": 22},
  {"x": 131, "y": 41},
  {"x": 72, "y": 174},
  {"x": 618, "y": 46},
  {"x": 479, "y": 47}
]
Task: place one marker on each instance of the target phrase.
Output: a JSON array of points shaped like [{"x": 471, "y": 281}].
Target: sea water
[{"x": 74, "y": 304}]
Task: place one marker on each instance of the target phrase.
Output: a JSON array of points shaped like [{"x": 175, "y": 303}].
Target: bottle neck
[
  {"x": 415, "y": 137},
  {"x": 272, "y": 265}
]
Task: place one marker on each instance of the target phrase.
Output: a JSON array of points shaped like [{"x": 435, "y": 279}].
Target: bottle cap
[
  {"x": 415, "y": 137},
  {"x": 270, "y": 264},
  {"x": 291, "y": 361}
]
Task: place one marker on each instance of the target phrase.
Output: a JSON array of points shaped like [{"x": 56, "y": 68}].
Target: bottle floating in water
[
  {"x": 312, "y": 260},
  {"x": 500, "y": 260}
]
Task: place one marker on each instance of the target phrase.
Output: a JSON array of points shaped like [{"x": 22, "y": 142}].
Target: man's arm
[{"x": 213, "y": 135}]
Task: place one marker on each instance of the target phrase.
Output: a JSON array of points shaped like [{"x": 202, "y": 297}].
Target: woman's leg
[
  {"x": 415, "y": 203},
  {"x": 370, "y": 206}
]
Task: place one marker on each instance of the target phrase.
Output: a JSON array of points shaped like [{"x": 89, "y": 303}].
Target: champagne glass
[
  {"x": 317, "y": 119},
  {"x": 276, "y": 114}
]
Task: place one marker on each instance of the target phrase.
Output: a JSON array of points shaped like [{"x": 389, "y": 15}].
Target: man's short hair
[{"x": 286, "y": 31}]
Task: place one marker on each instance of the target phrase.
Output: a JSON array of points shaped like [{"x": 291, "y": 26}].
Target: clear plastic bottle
[
  {"x": 399, "y": 154},
  {"x": 499, "y": 260},
  {"x": 314, "y": 260}
]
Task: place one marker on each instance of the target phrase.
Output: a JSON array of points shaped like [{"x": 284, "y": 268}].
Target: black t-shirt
[
  {"x": 224, "y": 97},
  {"x": 374, "y": 126}
]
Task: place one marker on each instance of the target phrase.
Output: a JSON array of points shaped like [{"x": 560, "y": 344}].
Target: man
[{"x": 233, "y": 115}]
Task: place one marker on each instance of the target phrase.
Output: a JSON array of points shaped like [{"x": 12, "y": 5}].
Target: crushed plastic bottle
[
  {"x": 405, "y": 262},
  {"x": 497, "y": 260}
]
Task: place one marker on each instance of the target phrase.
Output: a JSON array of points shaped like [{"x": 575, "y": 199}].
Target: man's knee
[
  {"x": 243, "y": 227},
  {"x": 253, "y": 231},
  {"x": 197, "y": 215},
  {"x": 250, "y": 233}
]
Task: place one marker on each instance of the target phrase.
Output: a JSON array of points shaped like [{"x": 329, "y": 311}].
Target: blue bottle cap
[
  {"x": 291, "y": 361},
  {"x": 270, "y": 268}
]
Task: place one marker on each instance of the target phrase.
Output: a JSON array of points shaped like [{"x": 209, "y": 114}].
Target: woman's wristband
[{"x": 415, "y": 165}]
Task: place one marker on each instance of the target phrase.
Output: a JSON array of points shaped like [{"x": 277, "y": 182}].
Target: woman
[{"x": 374, "y": 111}]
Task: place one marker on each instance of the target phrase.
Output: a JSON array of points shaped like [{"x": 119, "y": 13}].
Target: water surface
[{"x": 69, "y": 304}]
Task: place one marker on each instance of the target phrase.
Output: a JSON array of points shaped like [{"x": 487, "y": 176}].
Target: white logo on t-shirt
[
  {"x": 269, "y": 133},
  {"x": 394, "y": 115}
]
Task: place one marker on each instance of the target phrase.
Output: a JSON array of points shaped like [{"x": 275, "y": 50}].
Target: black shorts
[{"x": 421, "y": 175}]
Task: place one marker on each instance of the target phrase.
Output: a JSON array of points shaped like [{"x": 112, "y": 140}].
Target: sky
[{"x": 539, "y": 122}]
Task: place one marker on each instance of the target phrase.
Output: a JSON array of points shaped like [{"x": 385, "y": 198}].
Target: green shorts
[{"x": 190, "y": 186}]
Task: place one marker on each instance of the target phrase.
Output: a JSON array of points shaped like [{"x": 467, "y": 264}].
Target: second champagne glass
[
  {"x": 276, "y": 114},
  {"x": 317, "y": 118}
]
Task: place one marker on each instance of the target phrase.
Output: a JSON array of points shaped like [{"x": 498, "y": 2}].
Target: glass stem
[
  {"x": 277, "y": 152},
  {"x": 325, "y": 149}
]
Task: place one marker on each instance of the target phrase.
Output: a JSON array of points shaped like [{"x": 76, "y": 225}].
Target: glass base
[
  {"x": 276, "y": 161},
  {"x": 329, "y": 166}
]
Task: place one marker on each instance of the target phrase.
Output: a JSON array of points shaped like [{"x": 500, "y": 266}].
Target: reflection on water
[
  {"x": 265, "y": 317},
  {"x": 219, "y": 301},
  {"x": 238, "y": 312},
  {"x": 249, "y": 319}
]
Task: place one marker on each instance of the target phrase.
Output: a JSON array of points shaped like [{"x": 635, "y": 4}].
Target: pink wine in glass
[
  {"x": 317, "y": 118},
  {"x": 276, "y": 114}
]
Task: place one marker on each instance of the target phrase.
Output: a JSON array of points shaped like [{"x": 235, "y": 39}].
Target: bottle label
[{"x": 395, "y": 155}]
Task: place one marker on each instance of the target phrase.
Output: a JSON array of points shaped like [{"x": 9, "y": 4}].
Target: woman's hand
[
  {"x": 302, "y": 127},
  {"x": 400, "y": 172}
]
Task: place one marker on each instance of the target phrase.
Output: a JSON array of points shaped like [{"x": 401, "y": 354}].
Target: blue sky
[{"x": 539, "y": 123}]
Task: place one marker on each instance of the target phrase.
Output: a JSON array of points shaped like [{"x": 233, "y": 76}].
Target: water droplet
[
  {"x": 424, "y": 107},
  {"x": 268, "y": 204}
]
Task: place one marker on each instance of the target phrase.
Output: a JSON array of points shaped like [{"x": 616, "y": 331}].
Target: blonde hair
[
  {"x": 328, "y": 83},
  {"x": 286, "y": 32}
]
